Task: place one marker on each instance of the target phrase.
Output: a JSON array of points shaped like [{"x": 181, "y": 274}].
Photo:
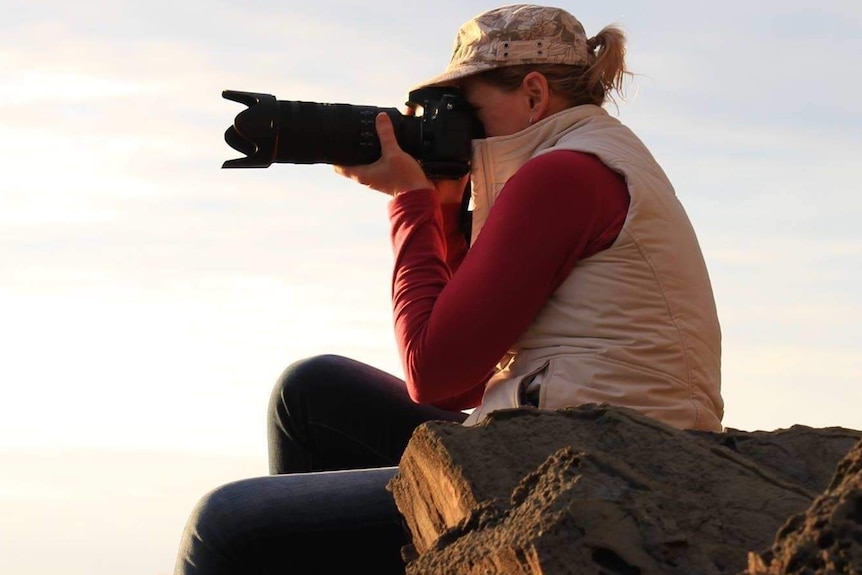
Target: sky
[{"x": 150, "y": 299}]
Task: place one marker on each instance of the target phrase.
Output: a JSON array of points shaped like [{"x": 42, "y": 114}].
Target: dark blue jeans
[{"x": 337, "y": 429}]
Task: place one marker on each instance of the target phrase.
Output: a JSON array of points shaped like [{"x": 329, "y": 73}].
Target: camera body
[{"x": 296, "y": 132}]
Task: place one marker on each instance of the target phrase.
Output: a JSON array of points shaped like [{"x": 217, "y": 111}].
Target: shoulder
[
  {"x": 568, "y": 173},
  {"x": 566, "y": 167}
]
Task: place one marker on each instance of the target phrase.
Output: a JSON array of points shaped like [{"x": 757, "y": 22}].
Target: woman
[{"x": 583, "y": 283}]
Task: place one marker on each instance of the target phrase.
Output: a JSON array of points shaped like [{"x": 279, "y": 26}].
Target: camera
[{"x": 438, "y": 134}]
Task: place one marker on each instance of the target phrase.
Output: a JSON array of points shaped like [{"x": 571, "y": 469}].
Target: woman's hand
[{"x": 395, "y": 172}]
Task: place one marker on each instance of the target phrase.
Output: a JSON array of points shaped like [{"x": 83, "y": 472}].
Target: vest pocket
[
  {"x": 507, "y": 393},
  {"x": 530, "y": 388}
]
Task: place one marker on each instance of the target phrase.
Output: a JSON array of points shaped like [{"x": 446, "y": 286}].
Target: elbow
[
  {"x": 445, "y": 393},
  {"x": 420, "y": 386},
  {"x": 429, "y": 388},
  {"x": 448, "y": 399},
  {"x": 441, "y": 381},
  {"x": 423, "y": 394}
]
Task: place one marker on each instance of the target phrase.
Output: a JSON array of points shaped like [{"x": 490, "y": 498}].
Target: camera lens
[{"x": 343, "y": 134}]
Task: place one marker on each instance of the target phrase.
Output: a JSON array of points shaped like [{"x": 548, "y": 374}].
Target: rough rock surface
[
  {"x": 598, "y": 489},
  {"x": 827, "y": 538}
]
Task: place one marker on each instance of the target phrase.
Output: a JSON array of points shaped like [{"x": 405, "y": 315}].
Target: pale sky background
[{"x": 150, "y": 299}]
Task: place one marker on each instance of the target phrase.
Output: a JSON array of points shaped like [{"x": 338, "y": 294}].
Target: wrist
[{"x": 415, "y": 188}]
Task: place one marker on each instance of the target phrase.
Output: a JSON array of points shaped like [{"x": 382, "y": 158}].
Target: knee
[
  {"x": 212, "y": 509},
  {"x": 207, "y": 539},
  {"x": 305, "y": 378}
]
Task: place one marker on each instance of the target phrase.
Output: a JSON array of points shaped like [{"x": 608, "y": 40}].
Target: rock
[
  {"x": 598, "y": 489},
  {"x": 827, "y": 538}
]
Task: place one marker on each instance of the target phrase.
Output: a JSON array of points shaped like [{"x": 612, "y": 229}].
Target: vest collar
[{"x": 496, "y": 159}]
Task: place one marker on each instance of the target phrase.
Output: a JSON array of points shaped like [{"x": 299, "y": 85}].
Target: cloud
[{"x": 772, "y": 64}]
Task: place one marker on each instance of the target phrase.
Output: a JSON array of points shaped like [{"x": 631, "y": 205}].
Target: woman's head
[{"x": 534, "y": 52}]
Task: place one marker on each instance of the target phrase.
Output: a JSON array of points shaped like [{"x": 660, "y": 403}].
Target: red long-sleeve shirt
[{"x": 452, "y": 328}]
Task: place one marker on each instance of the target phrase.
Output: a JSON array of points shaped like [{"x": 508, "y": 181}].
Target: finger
[{"x": 386, "y": 133}]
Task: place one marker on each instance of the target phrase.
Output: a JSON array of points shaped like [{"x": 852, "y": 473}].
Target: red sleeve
[{"x": 453, "y": 328}]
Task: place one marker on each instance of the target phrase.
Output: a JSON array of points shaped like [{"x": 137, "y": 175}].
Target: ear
[{"x": 538, "y": 94}]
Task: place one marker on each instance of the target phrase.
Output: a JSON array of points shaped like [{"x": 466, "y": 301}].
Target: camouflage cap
[{"x": 512, "y": 35}]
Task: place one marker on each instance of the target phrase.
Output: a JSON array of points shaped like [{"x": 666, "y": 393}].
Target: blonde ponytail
[{"x": 607, "y": 73}]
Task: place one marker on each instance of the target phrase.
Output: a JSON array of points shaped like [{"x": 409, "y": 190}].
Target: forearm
[{"x": 436, "y": 371}]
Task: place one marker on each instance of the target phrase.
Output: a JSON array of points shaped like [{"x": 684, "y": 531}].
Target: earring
[{"x": 530, "y": 121}]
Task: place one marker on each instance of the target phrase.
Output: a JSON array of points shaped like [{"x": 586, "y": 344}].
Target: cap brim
[{"x": 450, "y": 76}]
